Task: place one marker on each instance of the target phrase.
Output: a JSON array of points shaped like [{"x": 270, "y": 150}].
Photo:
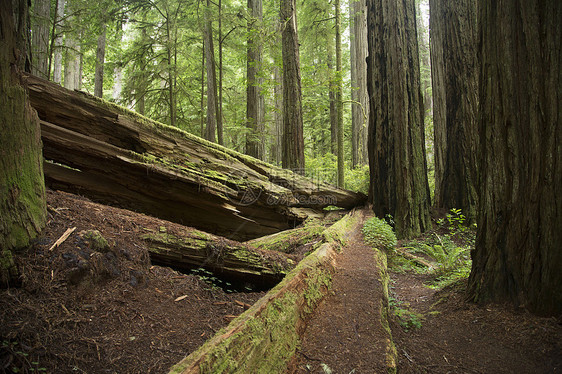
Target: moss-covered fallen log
[
  {"x": 255, "y": 197},
  {"x": 265, "y": 337},
  {"x": 227, "y": 259},
  {"x": 289, "y": 240}
]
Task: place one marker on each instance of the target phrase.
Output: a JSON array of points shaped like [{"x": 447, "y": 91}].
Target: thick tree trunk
[
  {"x": 517, "y": 255},
  {"x": 58, "y": 38},
  {"x": 41, "y": 21},
  {"x": 22, "y": 190},
  {"x": 455, "y": 77},
  {"x": 254, "y": 101},
  {"x": 100, "y": 62},
  {"x": 293, "y": 138},
  {"x": 227, "y": 259},
  {"x": 163, "y": 171},
  {"x": 397, "y": 162},
  {"x": 359, "y": 95}
]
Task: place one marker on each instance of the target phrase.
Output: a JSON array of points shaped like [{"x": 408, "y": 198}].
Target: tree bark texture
[
  {"x": 397, "y": 162},
  {"x": 22, "y": 190},
  {"x": 119, "y": 158},
  {"x": 41, "y": 21},
  {"x": 455, "y": 94},
  {"x": 230, "y": 260},
  {"x": 518, "y": 253},
  {"x": 359, "y": 95},
  {"x": 254, "y": 101},
  {"x": 293, "y": 138},
  {"x": 100, "y": 62}
]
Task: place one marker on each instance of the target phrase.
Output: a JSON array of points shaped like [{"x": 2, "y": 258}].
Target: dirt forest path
[{"x": 345, "y": 334}]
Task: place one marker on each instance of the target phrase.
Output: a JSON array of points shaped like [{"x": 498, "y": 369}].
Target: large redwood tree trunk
[
  {"x": 396, "y": 141},
  {"x": 518, "y": 253},
  {"x": 455, "y": 94},
  {"x": 293, "y": 138},
  {"x": 22, "y": 190}
]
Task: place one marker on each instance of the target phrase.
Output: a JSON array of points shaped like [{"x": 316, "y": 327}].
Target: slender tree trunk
[
  {"x": 293, "y": 139},
  {"x": 100, "y": 62},
  {"x": 455, "y": 76},
  {"x": 359, "y": 96},
  {"x": 339, "y": 96},
  {"x": 517, "y": 255},
  {"x": 22, "y": 189},
  {"x": 397, "y": 162},
  {"x": 254, "y": 100},
  {"x": 221, "y": 72},
  {"x": 171, "y": 56},
  {"x": 73, "y": 64},
  {"x": 332, "y": 97},
  {"x": 277, "y": 136},
  {"x": 212, "y": 100},
  {"x": 58, "y": 46},
  {"x": 40, "y": 43},
  {"x": 73, "y": 56},
  {"x": 202, "y": 107},
  {"x": 141, "y": 89}
]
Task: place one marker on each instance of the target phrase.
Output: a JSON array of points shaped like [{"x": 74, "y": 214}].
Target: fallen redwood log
[
  {"x": 227, "y": 259},
  {"x": 119, "y": 157}
]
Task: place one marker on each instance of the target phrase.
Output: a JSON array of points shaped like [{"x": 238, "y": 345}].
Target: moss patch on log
[{"x": 286, "y": 241}]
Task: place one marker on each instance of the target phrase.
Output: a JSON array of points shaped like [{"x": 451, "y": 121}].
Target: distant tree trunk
[
  {"x": 22, "y": 188},
  {"x": 277, "y": 133},
  {"x": 171, "y": 50},
  {"x": 293, "y": 139},
  {"x": 332, "y": 97},
  {"x": 339, "y": 96},
  {"x": 221, "y": 73},
  {"x": 100, "y": 62},
  {"x": 455, "y": 77},
  {"x": 359, "y": 96},
  {"x": 202, "y": 107},
  {"x": 425, "y": 58},
  {"x": 58, "y": 38},
  {"x": 254, "y": 100},
  {"x": 212, "y": 99},
  {"x": 517, "y": 255},
  {"x": 142, "y": 87},
  {"x": 40, "y": 54},
  {"x": 73, "y": 58},
  {"x": 73, "y": 64},
  {"x": 397, "y": 163}
]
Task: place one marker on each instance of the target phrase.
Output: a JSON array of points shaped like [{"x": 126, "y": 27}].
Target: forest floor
[
  {"x": 82, "y": 311},
  {"x": 434, "y": 330}
]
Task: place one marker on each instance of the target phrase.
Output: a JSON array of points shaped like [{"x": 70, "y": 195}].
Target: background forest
[{"x": 154, "y": 57}]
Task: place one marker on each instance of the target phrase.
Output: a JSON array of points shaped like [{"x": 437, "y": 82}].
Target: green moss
[
  {"x": 391, "y": 353},
  {"x": 95, "y": 240},
  {"x": 288, "y": 240}
]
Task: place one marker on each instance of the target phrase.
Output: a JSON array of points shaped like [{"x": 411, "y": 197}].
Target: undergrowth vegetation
[{"x": 443, "y": 253}]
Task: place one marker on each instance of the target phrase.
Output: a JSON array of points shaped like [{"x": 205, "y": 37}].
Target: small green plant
[
  {"x": 214, "y": 283},
  {"x": 408, "y": 319},
  {"x": 20, "y": 361},
  {"x": 379, "y": 234}
]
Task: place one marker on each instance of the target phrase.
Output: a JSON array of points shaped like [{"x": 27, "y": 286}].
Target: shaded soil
[
  {"x": 81, "y": 310},
  {"x": 461, "y": 337},
  {"x": 345, "y": 334}
]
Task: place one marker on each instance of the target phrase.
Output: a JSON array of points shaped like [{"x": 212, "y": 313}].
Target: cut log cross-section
[{"x": 116, "y": 156}]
